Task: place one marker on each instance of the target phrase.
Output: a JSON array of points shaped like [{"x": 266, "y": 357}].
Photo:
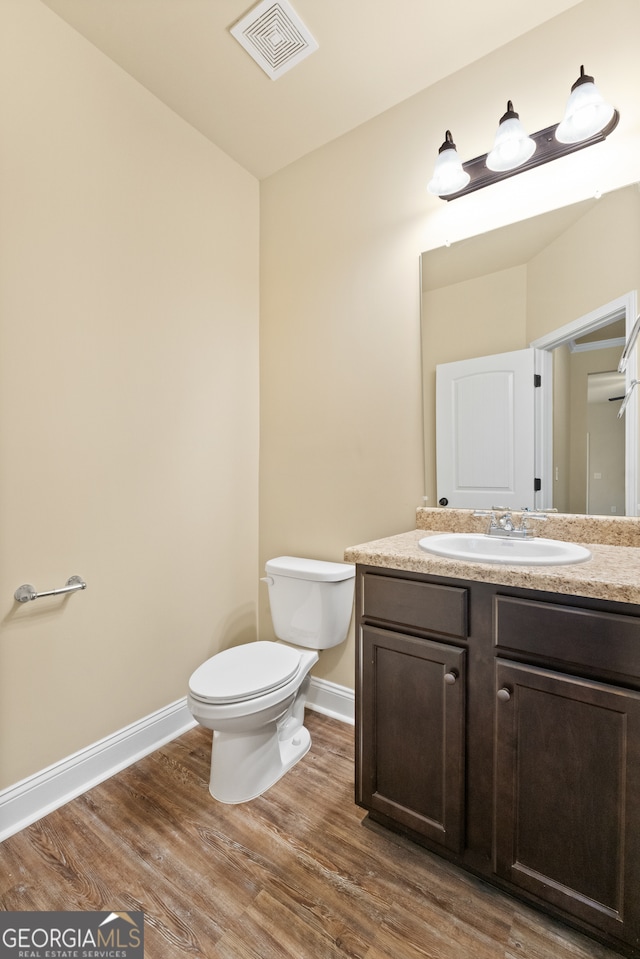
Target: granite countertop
[{"x": 612, "y": 573}]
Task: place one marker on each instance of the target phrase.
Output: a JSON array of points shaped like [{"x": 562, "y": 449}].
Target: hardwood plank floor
[{"x": 292, "y": 875}]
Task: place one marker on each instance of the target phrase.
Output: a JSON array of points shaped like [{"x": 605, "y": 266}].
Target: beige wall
[
  {"x": 129, "y": 395},
  {"x": 129, "y": 353},
  {"x": 592, "y": 263},
  {"x": 582, "y": 364},
  {"x": 341, "y": 231},
  {"x": 341, "y": 452},
  {"x": 606, "y": 461}
]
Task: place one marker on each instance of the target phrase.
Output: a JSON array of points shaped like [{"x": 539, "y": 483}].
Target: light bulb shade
[
  {"x": 448, "y": 174},
  {"x": 512, "y": 146},
  {"x": 587, "y": 112}
]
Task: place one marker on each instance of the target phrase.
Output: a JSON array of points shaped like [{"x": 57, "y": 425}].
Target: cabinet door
[
  {"x": 412, "y": 733},
  {"x": 567, "y": 812}
]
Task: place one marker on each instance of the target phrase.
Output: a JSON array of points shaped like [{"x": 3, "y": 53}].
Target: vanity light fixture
[
  {"x": 512, "y": 146},
  {"x": 588, "y": 119},
  {"x": 587, "y": 113},
  {"x": 448, "y": 175}
]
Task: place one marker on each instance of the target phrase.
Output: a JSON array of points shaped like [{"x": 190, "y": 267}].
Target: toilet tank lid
[{"x": 314, "y": 569}]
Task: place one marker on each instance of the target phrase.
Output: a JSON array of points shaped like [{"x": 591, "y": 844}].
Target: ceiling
[{"x": 372, "y": 55}]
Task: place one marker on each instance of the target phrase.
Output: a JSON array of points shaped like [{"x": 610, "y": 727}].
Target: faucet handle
[
  {"x": 528, "y": 514},
  {"x": 487, "y": 512}
]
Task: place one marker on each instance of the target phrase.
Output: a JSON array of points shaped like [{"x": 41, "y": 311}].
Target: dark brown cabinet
[
  {"x": 413, "y": 768},
  {"x": 501, "y": 728},
  {"x": 567, "y": 782}
]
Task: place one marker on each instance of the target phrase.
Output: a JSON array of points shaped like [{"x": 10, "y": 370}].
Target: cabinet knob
[
  {"x": 504, "y": 694},
  {"x": 450, "y": 677}
]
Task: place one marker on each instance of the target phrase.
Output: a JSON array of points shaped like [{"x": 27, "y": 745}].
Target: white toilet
[{"x": 253, "y": 696}]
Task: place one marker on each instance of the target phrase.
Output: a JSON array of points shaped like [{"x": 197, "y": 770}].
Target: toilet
[{"x": 253, "y": 696}]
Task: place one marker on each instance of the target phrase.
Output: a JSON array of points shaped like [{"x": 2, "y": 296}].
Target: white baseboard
[
  {"x": 332, "y": 700},
  {"x": 37, "y": 796}
]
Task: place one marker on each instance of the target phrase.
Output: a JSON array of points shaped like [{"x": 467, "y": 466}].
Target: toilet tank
[{"x": 311, "y": 600}]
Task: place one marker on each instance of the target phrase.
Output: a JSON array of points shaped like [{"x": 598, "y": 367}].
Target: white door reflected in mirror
[{"x": 486, "y": 435}]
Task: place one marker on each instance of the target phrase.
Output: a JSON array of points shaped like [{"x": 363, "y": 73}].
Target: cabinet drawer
[
  {"x": 428, "y": 606},
  {"x": 596, "y": 640}
]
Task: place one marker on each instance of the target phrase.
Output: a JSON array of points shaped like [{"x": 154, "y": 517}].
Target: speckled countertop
[{"x": 612, "y": 573}]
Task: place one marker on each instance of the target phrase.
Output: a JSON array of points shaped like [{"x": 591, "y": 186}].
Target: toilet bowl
[{"x": 253, "y": 696}]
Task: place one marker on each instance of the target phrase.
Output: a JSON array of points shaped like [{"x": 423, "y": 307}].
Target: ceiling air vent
[{"x": 274, "y": 36}]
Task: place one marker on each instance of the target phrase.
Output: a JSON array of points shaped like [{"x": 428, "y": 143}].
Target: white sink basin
[{"x": 481, "y": 548}]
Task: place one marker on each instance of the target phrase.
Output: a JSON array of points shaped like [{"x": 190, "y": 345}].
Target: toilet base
[{"x": 245, "y": 765}]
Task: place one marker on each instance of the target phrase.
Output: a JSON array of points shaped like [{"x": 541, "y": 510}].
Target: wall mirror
[{"x": 566, "y": 282}]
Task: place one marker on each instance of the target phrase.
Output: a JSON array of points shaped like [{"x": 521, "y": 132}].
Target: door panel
[
  {"x": 413, "y": 733},
  {"x": 566, "y": 813},
  {"x": 486, "y": 431}
]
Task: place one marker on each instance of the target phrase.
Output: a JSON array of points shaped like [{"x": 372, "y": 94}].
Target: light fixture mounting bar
[{"x": 547, "y": 149}]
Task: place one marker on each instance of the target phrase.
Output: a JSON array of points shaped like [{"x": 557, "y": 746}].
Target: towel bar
[{"x": 27, "y": 592}]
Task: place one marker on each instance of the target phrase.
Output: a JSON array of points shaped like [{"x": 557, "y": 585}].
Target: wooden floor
[{"x": 292, "y": 875}]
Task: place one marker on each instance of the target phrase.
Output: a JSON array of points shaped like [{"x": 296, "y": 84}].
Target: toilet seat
[{"x": 244, "y": 672}]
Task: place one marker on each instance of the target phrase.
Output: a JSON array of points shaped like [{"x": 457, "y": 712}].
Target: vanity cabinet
[
  {"x": 567, "y": 781},
  {"x": 501, "y": 728},
  {"x": 414, "y": 718},
  {"x": 413, "y": 733}
]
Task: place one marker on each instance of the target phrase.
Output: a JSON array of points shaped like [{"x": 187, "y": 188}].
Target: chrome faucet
[
  {"x": 505, "y": 526},
  {"x": 506, "y": 523}
]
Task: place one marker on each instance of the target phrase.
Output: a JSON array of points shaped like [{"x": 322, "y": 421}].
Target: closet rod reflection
[{"x": 28, "y": 592}]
